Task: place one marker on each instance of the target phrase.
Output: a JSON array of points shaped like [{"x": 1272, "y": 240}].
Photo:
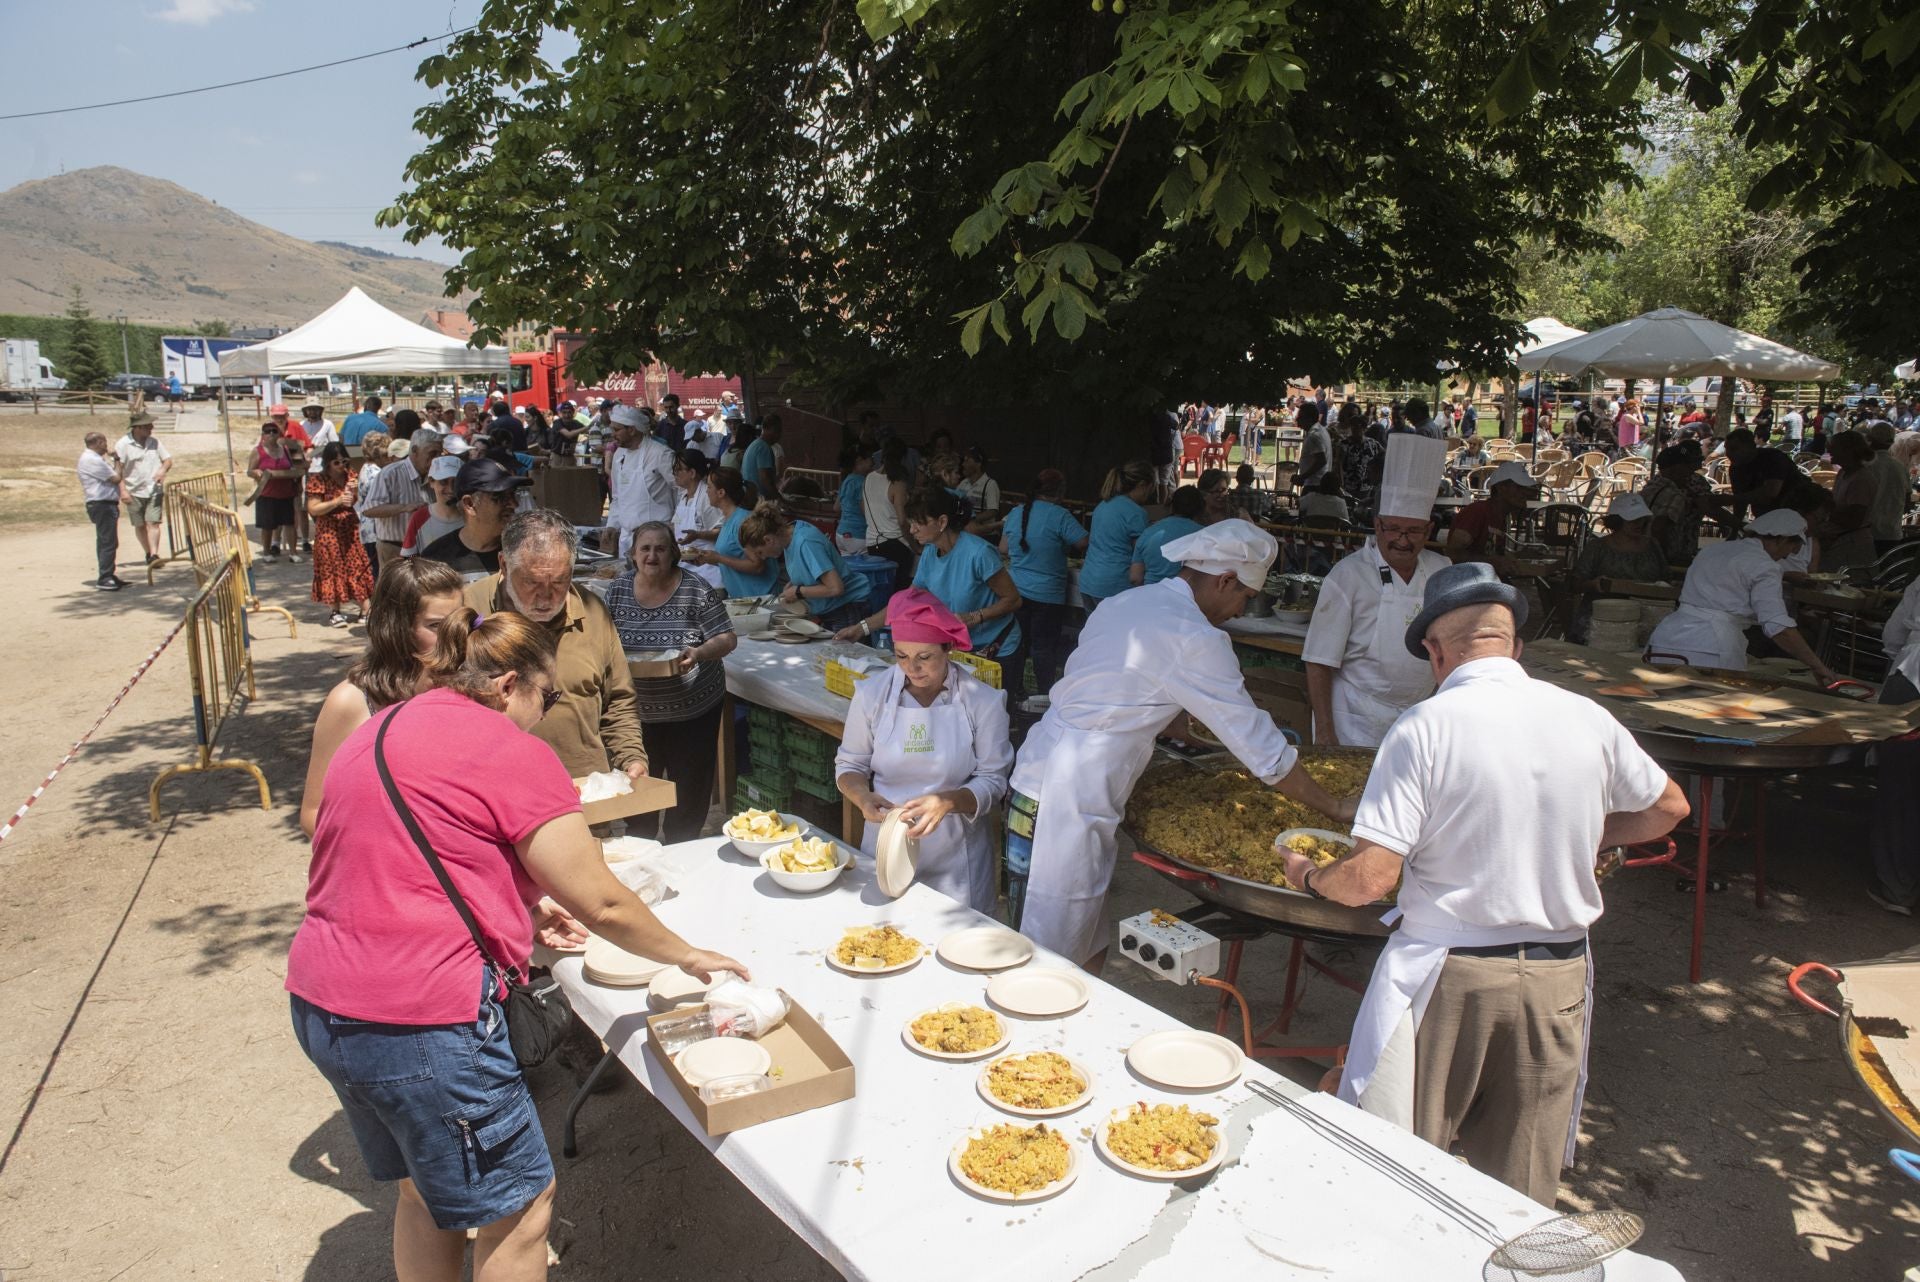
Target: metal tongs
[{"x": 1567, "y": 1246}]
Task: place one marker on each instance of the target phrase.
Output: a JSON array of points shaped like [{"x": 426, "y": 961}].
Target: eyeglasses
[{"x": 549, "y": 695}]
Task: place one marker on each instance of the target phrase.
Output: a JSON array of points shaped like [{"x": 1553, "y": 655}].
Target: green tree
[
  {"x": 1206, "y": 198},
  {"x": 86, "y": 362},
  {"x": 212, "y": 329}
]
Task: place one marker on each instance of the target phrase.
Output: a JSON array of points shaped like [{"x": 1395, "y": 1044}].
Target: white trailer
[{"x": 23, "y": 369}]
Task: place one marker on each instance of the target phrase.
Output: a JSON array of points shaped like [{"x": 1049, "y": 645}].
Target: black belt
[{"x": 1562, "y": 951}]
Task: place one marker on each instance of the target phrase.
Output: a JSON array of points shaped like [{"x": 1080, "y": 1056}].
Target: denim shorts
[{"x": 444, "y": 1105}]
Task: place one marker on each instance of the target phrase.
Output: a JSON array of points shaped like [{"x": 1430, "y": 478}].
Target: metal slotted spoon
[{"x": 1568, "y": 1247}]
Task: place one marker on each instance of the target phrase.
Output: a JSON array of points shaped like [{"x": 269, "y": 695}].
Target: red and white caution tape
[{"x": 7, "y": 828}]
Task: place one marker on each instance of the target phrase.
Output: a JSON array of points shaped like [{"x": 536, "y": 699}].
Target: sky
[{"x": 315, "y": 156}]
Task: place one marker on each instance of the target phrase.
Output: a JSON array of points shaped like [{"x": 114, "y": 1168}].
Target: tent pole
[{"x": 226, "y": 426}]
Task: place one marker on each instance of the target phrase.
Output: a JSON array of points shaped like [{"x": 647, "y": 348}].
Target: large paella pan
[
  {"x": 1210, "y": 826},
  {"x": 1879, "y": 1009}
]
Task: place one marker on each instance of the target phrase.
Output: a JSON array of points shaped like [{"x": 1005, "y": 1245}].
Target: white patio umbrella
[
  {"x": 1677, "y": 344},
  {"x": 1909, "y": 370}
]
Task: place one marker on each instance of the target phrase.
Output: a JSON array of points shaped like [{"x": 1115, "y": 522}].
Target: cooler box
[{"x": 879, "y": 572}]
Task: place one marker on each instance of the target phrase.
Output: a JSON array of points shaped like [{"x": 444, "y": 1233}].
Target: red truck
[{"x": 545, "y": 379}]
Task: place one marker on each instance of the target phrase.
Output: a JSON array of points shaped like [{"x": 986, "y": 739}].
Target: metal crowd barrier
[
  {"x": 222, "y": 665},
  {"x": 212, "y": 534},
  {"x": 212, "y": 488}
]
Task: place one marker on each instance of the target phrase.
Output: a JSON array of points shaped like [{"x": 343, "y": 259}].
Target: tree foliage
[
  {"x": 86, "y": 361},
  {"x": 1136, "y": 206}
]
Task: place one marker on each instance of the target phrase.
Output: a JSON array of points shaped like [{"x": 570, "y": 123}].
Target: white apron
[
  {"x": 1087, "y": 778},
  {"x": 1370, "y": 693},
  {"x": 1700, "y": 637},
  {"x": 1379, "y": 1073},
  {"x": 921, "y": 750}
]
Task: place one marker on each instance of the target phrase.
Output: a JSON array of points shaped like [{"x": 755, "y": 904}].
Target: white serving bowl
[
  {"x": 755, "y": 849},
  {"x": 804, "y": 883},
  {"x": 753, "y": 623}
]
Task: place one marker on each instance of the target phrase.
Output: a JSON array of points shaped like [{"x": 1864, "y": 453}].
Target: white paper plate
[
  {"x": 906, "y": 1035},
  {"x": 896, "y": 856},
  {"x": 986, "y": 1093},
  {"x": 674, "y": 987},
  {"x": 715, "y": 1057},
  {"x": 1042, "y": 994},
  {"x": 804, "y": 627},
  {"x": 1212, "y": 1163},
  {"x": 833, "y": 960},
  {"x": 986, "y": 948},
  {"x": 995, "y": 1195},
  {"x": 1186, "y": 1059},
  {"x": 1324, "y": 834},
  {"x": 612, "y": 965}
]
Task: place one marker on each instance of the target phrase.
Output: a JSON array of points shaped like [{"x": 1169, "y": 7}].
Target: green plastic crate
[
  {"x": 764, "y": 718},
  {"x": 816, "y": 789},
  {"x": 759, "y": 794},
  {"x": 817, "y": 749}
]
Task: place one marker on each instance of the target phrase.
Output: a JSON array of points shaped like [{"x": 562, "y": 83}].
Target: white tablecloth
[
  {"x": 865, "y": 1181},
  {"x": 789, "y": 678}
]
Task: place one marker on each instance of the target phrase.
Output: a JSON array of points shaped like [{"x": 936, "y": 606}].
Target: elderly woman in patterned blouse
[{"x": 664, "y": 609}]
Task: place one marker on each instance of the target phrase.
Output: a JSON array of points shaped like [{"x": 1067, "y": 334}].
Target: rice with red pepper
[
  {"x": 1163, "y": 1137},
  {"x": 1015, "y": 1159}
]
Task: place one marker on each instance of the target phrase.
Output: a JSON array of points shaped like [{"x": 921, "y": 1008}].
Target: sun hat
[
  {"x": 139, "y": 418},
  {"x": 444, "y": 468},
  {"x": 1781, "y": 523},
  {"x": 1515, "y": 472},
  {"x": 1455, "y": 586},
  {"x": 1629, "y": 507},
  {"x": 917, "y": 617},
  {"x": 1233, "y": 546},
  {"x": 399, "y": 447}
]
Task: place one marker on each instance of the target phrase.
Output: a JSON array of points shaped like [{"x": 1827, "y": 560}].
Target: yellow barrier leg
[
  {"x": 174, "y": 772},
  {"x": 254, "y": 607}
]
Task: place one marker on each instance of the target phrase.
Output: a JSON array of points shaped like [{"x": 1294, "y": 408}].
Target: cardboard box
[
  {"x": 813, "y": 1072},
  {"x": 648, "y": 796},
  {"x": 572, "y": 491}
]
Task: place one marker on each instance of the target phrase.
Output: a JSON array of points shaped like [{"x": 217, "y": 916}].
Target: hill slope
[{"x": 160, "y": 253}]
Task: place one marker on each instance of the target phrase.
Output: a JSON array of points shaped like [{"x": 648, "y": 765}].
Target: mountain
[{"x": 161, "y": 254}]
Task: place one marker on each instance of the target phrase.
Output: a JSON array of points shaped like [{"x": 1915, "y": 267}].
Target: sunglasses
[{"x": 549, "y": 696}]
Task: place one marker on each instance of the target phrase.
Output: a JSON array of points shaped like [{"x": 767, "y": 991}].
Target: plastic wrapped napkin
[
  {"x": 740, "y": 1009},
  {"x": 605, "y": 786}
]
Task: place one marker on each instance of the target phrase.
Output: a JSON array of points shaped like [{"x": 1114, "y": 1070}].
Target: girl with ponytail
[{"x": 1117, "y": 525}]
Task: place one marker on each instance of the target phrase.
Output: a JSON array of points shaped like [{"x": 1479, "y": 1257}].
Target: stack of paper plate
[
  {"x": 718, "y": 1057},
  {"x": 607, "y": 963},
  {"x": 896, "y": 856},
  {"x": 674, "y": 987}
]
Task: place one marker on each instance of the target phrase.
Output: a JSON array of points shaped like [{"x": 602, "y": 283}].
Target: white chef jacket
[
  {"x": 1729, "y": 588},
  {"x": 641, "y": 481},
  {"x": 1901, "y": 635},
  {"x": 695, "y": 512},
  {"x": 1376, "y": 677},
  {"x": 1145, "y": 655}
]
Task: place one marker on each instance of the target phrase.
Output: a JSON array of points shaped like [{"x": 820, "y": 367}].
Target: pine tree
[{"x": 86, "y": 362}]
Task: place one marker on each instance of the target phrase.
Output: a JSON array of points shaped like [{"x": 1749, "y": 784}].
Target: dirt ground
[{"x": 161, "y": 1122}]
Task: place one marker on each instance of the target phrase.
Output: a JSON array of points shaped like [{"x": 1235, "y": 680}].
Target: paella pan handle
[
  {"x": 1845, "y": 687},
  {"x": 1174, "y": 871},
  {"x": 1906, "y": 1162},
  {"x": 1801, "y": 972}
]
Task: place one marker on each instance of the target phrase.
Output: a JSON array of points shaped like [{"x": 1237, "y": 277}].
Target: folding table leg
[
  {"x": 1759, "y": 843},
  {"x": 568, "y": 1145},
  {"x": 1700, "y": 876},
  {"x": 1292, "y": 998}
]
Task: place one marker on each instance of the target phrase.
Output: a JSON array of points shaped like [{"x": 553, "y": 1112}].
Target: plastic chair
[
  {"x": 1477, "y": 479},
  {"x": 1192, "y": 450}
]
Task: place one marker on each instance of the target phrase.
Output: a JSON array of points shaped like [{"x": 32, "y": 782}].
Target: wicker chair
[
  {"x": 1551, "y": 454},
  {"x": 1631, "y": 470},
  {"x": 1478, "y": 478},
  {"x": 1593, "y": 462}
]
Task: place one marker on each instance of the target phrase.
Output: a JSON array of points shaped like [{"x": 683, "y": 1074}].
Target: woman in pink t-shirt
[{"x": 391, "y": 999}]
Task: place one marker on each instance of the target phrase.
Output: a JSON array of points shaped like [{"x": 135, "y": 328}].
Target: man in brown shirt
[{"x": 595, "y": 725}]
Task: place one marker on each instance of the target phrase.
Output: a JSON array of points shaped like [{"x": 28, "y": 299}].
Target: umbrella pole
[{"x": 226, "y": 426}]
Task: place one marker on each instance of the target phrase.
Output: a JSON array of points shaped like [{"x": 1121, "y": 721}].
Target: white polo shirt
[{"x": 1500, "y": 846}]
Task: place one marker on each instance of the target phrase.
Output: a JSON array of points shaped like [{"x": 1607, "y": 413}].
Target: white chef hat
[
  {"x": 1411, "y": 477},
  {"x": 1781, "y": 523},
  {"x": 1227, "y": 547},
  {"x": 626, "y": 416}
]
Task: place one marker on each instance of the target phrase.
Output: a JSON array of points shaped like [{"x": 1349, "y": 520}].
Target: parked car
[{"x": 127, "y": 384}]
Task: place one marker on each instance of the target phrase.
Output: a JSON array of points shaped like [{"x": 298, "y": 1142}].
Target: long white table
[{"x": 865, "y": 1181}]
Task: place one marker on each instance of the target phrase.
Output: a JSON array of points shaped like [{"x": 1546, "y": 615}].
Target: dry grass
[{"x": 38, "y": 452}]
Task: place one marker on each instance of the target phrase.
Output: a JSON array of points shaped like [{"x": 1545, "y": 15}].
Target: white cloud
[{"x": 199, "y": 13}]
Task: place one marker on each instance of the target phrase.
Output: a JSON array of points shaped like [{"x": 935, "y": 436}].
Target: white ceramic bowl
[
  {"x": 804, "y": 883},
  {"x": 755, "y": 849},
  {"x": 753, "y": 623}
]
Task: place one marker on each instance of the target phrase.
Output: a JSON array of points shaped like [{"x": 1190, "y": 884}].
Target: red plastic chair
[{"x": 1193, "y": 449}]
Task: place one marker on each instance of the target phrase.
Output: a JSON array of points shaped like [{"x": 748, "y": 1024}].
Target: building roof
[{"x": 451, "y": 323}]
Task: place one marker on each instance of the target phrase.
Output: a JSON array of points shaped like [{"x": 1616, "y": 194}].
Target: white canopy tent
[
  {"x": 358, "y": 336},
  {"x": 1909, "y": 370},
  {"x": 1677, "y": 344},
  {"x": 1545, "y": 331}
]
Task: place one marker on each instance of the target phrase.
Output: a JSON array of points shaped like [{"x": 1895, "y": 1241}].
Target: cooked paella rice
[
  {"x": 1015, "y": 1159},
  {"x": 1163, "y": 1137},
  {"x": 1227, "y": 819},
  {"x": 1042, "y": 1079},
  {"x": 870, "y": 947},
  {"x": 957, "y": 1029},
  {"x": 1318, "y": 849},
  {"x": 761, "y": 825},
  {"x": 809, "y": 854}
]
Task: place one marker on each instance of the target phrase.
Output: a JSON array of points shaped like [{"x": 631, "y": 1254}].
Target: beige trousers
[{"x": 1497, "y": 1062}]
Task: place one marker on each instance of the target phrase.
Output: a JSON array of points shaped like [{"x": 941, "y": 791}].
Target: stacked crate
[{"x": 809, "y": 758}]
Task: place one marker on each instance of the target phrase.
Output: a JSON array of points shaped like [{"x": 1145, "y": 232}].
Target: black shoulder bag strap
[
  {"x": 538, "y": 1014},
  {"x": 426, "y": 847}
]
